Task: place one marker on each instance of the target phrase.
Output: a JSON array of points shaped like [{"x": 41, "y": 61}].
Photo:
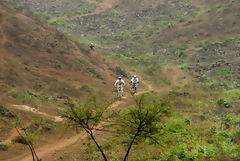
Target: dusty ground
[
  {"x": 43, "y": 61},
  {"x": 75, "y": 66},
  {"x": 52, "y": 149},
  {"x": 39, "y": 68}
]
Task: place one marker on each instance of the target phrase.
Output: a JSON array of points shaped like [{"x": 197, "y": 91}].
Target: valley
[{"x": 185, "y": 53}]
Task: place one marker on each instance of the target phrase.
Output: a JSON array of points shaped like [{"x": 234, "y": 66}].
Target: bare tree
[
  {"x": 23, "y": 133},
  {"x": 87, "y": 116},
  {"x": 135, "y": 123},
  {"x": 140, "y": 121}
]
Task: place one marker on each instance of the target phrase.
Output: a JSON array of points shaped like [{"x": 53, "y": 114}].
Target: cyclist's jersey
[
  {"x": 134, "y": 80},
  {"x": 119, "y": 82}
]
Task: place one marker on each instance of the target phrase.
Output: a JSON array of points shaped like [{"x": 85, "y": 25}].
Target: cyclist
[
  {"x": 134, "y": 82},
  {"x": 120, "y": 83},
  {"x": 91, "y": 46}
]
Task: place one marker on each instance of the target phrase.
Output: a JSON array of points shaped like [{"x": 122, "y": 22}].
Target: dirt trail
[
  {"x": 49, "y": 149},
  {"x": 106, "y": 4},
  {"x": 149, "y": 89},
  {"x": 31, "y": 109},
  {"x": 175, "y": 76},
  {"x": 14, "y": 134}
]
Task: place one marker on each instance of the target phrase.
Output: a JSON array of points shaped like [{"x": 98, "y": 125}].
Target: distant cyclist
[
  {"x": 134, "y": 82},
  {"x": 119, "y": 84},
  {"x": 91, "y": 46}
]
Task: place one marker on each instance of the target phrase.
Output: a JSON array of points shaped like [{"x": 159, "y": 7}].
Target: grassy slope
[
  {"x": 37, "y": 57},
  {"x": 201, "y": 126},
  {"x": 40, "y": 67},
  {"x": 204, "y": 42}
]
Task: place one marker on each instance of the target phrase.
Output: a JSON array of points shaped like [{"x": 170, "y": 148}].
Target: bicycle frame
[
  {"x": 119, "y": 90},
  {"x": 134, "y": 88}
]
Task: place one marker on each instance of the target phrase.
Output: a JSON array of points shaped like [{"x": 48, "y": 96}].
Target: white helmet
[
  {"x": 134, "y": 76},
  {"x": 91, "y": 43},
  {"x": 119, "y": 77}
]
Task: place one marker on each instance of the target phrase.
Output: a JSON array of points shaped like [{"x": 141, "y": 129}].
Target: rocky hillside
[
  {"x": 170, "y": 30},
  {"x": 40, "y": 68},
  {"x": 37, "y": 59},
  {"x": 188, "y": 50}
]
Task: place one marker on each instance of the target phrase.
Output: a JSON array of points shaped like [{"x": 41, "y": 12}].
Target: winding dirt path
[
  {"x": 106, "y": 4},
  {"x": 49, "y": 149},
  {"x": 31, "y": 109},
  {"x": 149, "y": 89},
  {"x": 14, "y": 134}
]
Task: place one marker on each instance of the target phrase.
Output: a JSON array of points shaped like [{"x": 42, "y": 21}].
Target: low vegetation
[
  {"x": 135, "y": 124},
  {"x": 158, "y": 42}
]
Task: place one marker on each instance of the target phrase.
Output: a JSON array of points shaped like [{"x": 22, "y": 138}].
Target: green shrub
[
  {"x": 202, "y": 116},
  {"x": 2, "y": 110},
  {"x": 187, "y": 121},
  {"x": 83, "y": 10},
  {"x": 181, "y": 154},
  {"x": 36, "y": 122},
  {"x": 180, "y": 52},
  {"x": 213, "y": 130},
  {"x": 57, "y": 13},
  {"x": 183, "y": 66},
  {"x": 232, "y": 93},
  {"x": 164, "y": 11},
  {"x": 223, "y": 133},
  {"x": 216, "y": 84},
  {"x": 224, "y": 103},
  {"x": 226, "y": 72},
  {"x": 238, "y": 133},
  {"x": 114, "y": 159},
  {"x": 234, "y": 39},
  {"x": 103, "y": 26},
  {"x": 207, "y": 150},
  {"x": 229, "y": 117},
  {"x": 58, "y": 22}
]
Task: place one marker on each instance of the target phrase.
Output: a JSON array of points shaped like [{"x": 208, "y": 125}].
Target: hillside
[
  {"x": 35, "y": 56},
  {"x": 166, "y": 30},
  {"x": 42, "y": 67},
  {"x": 185, "y": 52}
]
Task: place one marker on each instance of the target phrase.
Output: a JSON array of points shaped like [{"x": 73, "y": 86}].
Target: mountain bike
[
  {"x": 119, "y": 91},
  {"x": 91, "y": 47},
  {"x": 134, "y": 88}
]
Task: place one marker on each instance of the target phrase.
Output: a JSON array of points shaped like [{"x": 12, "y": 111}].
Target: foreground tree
[
  {"x": 27, "y": 137},
  {"x": 141, "y": 121},
  {"x": 135, "y": 123},
  {"x": 87, "y": 116}
]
